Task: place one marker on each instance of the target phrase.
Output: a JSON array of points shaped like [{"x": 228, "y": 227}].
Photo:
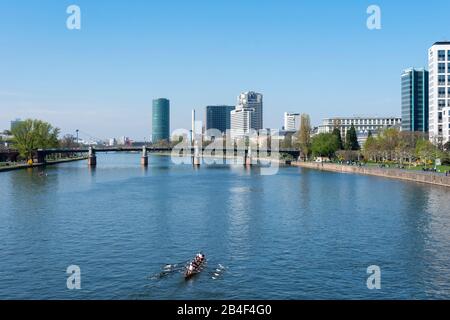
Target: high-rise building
[
  {"x": 219, "y": 117},
  {"x": 252, "y": 100},
  {"x": 439, "y": 92},
  {"x": 161, "y": 120},
  {"x": 242, "y": 121},
  {"x": 292, "y": 121},
  {"x": 415, "y": 100}
]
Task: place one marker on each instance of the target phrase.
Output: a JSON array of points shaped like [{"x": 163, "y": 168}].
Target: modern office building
[
  {"x": 242, "y": 121},
  {"x": 439, "y": 91},
  {"x": 446, "y": 124},
  {"x": 415, "y": 100},
  {"x": 218, "y": 117},
  {"x": 252, "y": 100},
  {"x": 161, "y": 120},
  {"x": 291, "y": 121},
  {"x": 363, "y": 125}
]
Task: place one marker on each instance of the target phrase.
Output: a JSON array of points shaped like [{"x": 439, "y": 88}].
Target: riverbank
[
  {"x": 420, "y": 177},
  {"x": 35, "y": 165}
]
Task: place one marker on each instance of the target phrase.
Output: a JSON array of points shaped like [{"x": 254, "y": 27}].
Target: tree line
[{"x": 389, "y": 145}]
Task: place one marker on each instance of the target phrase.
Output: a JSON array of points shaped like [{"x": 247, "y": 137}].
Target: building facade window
[
  {"x": 441, "y": 55},
  {"x": 441, "y": 68}
]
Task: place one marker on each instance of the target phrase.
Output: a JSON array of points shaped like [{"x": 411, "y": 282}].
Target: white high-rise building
[
  {"x": 439, "y": 92},
  {"x": 252, "y": 100},
  {"x": 247, "y": 115},
  {"x": 292, "y": 121},
  {"x": 242, "y": 121}
]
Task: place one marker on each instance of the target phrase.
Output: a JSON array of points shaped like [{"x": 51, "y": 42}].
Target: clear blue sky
[{"x": 316, "y": 57}]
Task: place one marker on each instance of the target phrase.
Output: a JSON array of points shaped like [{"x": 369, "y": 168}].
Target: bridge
[{"x": 192, "y": 151}]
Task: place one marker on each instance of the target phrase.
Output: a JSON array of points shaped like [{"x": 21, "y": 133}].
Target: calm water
[{"x": 300, "y": 234}]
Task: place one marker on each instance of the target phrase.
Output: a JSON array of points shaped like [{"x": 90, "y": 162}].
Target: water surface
[{"x": 300, "y": 234}]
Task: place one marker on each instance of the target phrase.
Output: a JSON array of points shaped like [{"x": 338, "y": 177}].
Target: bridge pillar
[
  {"x": 196, "y": 159},
  {"x": 92, "y": 158},
  {"x": 144, "y": 158},
  {"x": 41, "y": 156},
  {"x": 249, "y": 157}
]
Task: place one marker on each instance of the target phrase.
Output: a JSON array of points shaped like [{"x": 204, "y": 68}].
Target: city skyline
[{"x": 72, "y": 82}]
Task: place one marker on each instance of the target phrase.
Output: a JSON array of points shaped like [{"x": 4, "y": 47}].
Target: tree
[
  {"x": 426, "y": 151},
  {"x": 68, "y": 142},
  {"x": 287, "y": 141},
  {"x": 30, "y": 135},
  {"x": 325, "y": 145},
  {"x": 351, "y": 139},
  {"x": 337, "y": 133},
  {"x": 371, "y": 148},
  {"x": 388, "y": 142},
  {"x": 304, "y": 136},
  {"x": 446, "y": 146}
]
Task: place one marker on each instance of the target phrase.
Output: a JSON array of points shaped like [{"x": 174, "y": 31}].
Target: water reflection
[{"x": 321, "y": 229}]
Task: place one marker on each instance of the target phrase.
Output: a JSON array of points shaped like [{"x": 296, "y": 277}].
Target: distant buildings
[
  {"x": 122, "y": 141},
  {"x": 252, "y": 100},
  {"x": 291, "y": 121},
  {"x": 242, "y": 121},
  {"x": 14, "y": 123},
  {"x": 248, "y": 114},
  {"x": 161, "y": 120},
  {"x": 363, "y": 125},
  {"x": 439, "y": 92},
  {"x": 219, "y": 118},
  {"x": 112, "y": 142},
  {"x": 415, "y": 100}
]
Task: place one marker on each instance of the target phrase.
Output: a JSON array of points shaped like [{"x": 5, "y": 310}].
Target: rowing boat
[{"x": 195, "y": 267}]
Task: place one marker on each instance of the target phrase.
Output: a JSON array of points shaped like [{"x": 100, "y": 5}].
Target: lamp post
[{"x": 77, "y": 138}]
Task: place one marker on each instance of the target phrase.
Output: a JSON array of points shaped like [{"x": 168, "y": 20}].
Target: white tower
[{"x": 439, "y": 92}]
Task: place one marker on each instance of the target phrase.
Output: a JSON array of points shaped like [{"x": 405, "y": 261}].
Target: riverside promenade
[
  {"x": 415, "y": 176},
  {"x": 34, "y": 165}
]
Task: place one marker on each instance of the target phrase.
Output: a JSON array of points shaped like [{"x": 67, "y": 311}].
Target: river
[{"x": 299, "y": 234}]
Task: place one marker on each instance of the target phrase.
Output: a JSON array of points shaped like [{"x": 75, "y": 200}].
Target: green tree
[
  {"x": 286, "y": 143},
  {"x": 351, "y": 139},
  {"x": 325, "y": 145},
  {"x": 337, "y": 133},
  {"x": 371, "y": 148},
  {"x": 388, "y": 141},
  {"x": 426, "y": 151},
  {"x": 30, "y": 135},
  {"x": 304, "y": 136},
  {"x": 446, "y": 146},
  {"x": 68, "y": 142}
]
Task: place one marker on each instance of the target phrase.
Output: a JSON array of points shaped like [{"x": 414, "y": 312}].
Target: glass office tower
[
  {"x": 415, "y": 100},
  {"x": 161, "y": 120},
  {"x": 218, "y": 117}
]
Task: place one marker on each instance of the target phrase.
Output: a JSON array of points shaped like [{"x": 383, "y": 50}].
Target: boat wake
[
  {"x": 168, "y": 270},
  {"x": 218, "y": 272},
  {"x": 180, "y": 268}
]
